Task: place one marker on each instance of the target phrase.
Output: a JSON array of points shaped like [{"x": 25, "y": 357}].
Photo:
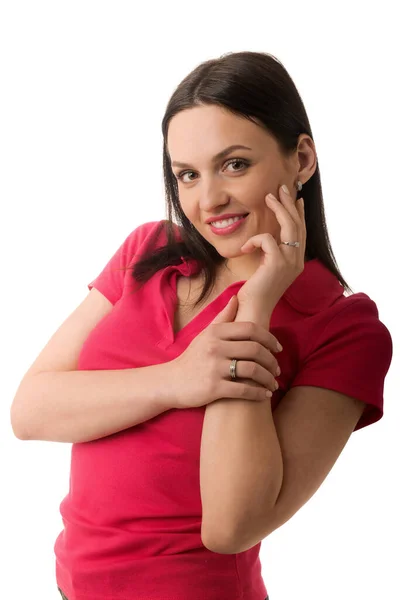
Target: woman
[{"x": 187, "y": 314}]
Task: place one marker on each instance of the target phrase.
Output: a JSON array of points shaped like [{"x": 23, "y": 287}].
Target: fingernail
[
  {"x": 285, "y": 189},
  {"x": 279, "y": 347},
  {"x": 278, "y": 371}
]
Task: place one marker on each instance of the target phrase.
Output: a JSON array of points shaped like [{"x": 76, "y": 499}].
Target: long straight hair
[{"x": 253, "y": 85}]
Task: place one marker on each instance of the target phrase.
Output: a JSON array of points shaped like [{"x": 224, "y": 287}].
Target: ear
[{"x": 306, "y": 158}]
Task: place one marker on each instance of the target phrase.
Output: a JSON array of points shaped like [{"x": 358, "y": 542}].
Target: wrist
[
  {"x": 167, "y": 392},
  {"x": 249, "y": 312}
]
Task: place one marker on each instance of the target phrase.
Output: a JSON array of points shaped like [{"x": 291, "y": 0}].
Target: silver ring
[
  {"x": 232, "y": 368},
  {"x": 296, "y": 244}
]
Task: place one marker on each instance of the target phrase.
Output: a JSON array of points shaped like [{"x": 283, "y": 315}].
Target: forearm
[
  {"x": 81, "y": 406},
  {"x": 241, "y": 467}
]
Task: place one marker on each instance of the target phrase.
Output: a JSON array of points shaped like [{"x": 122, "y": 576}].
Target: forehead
[{"x": 212, "y": 128}]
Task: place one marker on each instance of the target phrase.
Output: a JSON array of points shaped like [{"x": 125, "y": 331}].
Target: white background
[{"x": 84, "y": 86}]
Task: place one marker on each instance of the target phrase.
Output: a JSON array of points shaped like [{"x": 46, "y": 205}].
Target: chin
[
  {"x": 231, "y": 254},
  {"x": 228, "y": 247}
]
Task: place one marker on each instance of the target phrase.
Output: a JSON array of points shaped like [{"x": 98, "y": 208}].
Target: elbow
[
  {"x": 17, "y": 429},
  {"x": 239, "y": 539},
  {"x": 221, "y": 543},
  {"x": 17, "y": 422}
]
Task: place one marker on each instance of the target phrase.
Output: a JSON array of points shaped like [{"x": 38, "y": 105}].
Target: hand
[
  {"x": 279, "y": 265},
  {"x": 201, "y": 372}
]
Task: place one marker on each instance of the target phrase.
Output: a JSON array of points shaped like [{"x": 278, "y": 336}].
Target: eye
[{"x": 243, "y": 161}]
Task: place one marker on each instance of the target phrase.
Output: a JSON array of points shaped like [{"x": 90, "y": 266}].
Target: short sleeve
[
  {"x": 352, "y": 356},
  {"x": 110, "y": 281}
]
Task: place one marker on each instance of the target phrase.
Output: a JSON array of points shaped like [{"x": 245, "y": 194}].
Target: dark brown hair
[{"x": 250, "y": 85}]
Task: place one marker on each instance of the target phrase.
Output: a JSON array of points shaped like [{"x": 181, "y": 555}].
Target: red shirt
[{"x": 132, "y": 517}]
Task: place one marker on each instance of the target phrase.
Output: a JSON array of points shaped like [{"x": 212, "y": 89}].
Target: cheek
[
  {"x": 186, "y": 207},
  {"x": 254, "y": 194}
]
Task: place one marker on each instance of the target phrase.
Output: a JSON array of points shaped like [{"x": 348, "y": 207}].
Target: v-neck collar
[
  {"x": 315, "y": 289},
  {"x": 189, "y": 267}
]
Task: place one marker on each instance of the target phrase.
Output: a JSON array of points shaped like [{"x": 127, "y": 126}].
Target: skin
[{"x": 209, "y": 190}]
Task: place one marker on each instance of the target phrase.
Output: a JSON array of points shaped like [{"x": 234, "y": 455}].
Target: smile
[{"x": 227, "y": 226}]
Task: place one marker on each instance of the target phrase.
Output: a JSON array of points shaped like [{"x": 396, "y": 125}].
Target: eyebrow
[{"x": 217, "y": 157}]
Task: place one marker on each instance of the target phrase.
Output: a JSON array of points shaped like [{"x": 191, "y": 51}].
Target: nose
[{"x": 211, "y": 196}]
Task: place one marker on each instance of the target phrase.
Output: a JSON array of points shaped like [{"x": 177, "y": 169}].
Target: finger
[
  {"x": 291, "y": 205},
  {"x": 243, "y": 391},
  {"x": 266, "y": 242},
  {"x": 283, "y": 207},
  {"x": 296, "y": 209},
  {"x": 254, "y": 373},
  {"x": 228, "y": 313},
  {"x": 300, "y": 206},
  {"x": 248, "y": 331},
  {"x": 290, "y": 226},
  {"x": 250, "y": 351}
]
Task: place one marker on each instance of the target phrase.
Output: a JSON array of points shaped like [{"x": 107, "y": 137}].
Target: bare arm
[
  {"x": 81, "y": 406},
  {"x": 241, "y": 466}
]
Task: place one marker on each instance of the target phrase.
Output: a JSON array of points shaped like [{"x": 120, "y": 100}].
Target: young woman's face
[{"x": 211, "y": 187}]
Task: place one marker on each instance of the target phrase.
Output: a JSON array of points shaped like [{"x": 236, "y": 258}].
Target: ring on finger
[{"x": 232, "y": 368}]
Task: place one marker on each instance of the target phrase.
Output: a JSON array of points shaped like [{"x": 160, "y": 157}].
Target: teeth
[{"x": 226, "y": 222}]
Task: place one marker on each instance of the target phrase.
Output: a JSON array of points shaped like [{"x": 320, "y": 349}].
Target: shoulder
[
  {"x": 349, "y": 351},
  {"x": 156, "y": 232},
  {"x": 147, "y": 230},
  {"x": 354, "y": 312},
  {"x": 352, "y": 322},
  {"x": 145, "y": 237}
]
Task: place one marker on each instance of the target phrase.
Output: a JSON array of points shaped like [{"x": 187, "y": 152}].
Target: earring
[{"x": 299, "y": 186}]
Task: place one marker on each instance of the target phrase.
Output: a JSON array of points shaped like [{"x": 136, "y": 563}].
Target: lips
[
  {"x": 227, "y": 230},
  {"x": 224, "y": 217}
]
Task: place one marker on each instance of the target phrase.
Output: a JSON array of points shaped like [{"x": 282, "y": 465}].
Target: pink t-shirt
[{"x": 132, "y": 517}]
